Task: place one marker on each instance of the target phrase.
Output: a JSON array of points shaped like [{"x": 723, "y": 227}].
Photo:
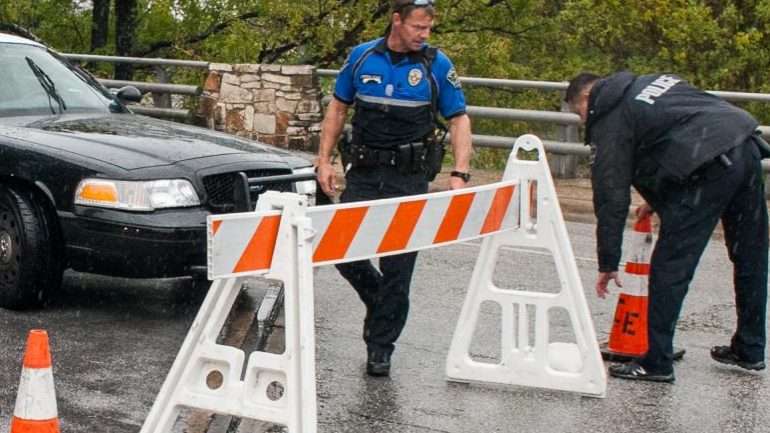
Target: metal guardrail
[
  {"x": 568, "y": 120},
  {"x": 561, "y": 86},
  {"x": 177, "y": 89},
  {"x": 523, "y": 115},
  {"x": 560, "y": 118},
  {"x": 165, "y": 113}
]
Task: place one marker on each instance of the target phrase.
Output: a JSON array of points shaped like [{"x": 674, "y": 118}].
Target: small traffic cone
[
  {"x": 628, "y": 337},
  {"x": 36, "y": 410},
  {"x": 629, "y": 328}
]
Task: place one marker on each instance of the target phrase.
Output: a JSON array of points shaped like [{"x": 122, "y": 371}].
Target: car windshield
[{"x": 21, "y": 92}]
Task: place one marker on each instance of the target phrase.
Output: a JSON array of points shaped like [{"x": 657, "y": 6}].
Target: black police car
[{"x": 86, "y": 184}]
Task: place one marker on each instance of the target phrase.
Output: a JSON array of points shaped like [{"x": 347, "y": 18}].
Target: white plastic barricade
[
  {"x": 563, "y": 366},
  {"x": 278, "y": 388},
  {"x": 284, "y": 239}
]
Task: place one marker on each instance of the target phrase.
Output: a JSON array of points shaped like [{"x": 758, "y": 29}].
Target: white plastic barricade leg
[
  {"x": 278, "y": 388},
  {"x": 563, "y": 366}
]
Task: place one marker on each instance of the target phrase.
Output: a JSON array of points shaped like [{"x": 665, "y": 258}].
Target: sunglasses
[{"x": 418, "y": 3}]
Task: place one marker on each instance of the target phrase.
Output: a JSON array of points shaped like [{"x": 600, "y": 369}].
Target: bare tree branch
[
  {"x": 199, "y": 37},
  {"x": 495, "y": 30}
]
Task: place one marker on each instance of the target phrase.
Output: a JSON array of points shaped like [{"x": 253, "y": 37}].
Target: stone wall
[{"x": 275, "y": 104}]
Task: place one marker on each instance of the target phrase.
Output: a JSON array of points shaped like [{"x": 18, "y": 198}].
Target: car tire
[{"x": 30, "y": 259}]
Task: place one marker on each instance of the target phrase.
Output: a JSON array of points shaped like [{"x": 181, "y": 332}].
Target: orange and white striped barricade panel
[
  {"x": 277, "y": 388},
  {"x": 242, "y": 244},
  {"x": 529, "y": 357}
]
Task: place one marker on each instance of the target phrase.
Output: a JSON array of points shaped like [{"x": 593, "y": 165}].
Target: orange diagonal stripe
[
  {"x": 340, "y": 233},
  {"x": 258, "y": 254},
  {"x": 401, "y": 226},
  {"x": 497, "y": 210},
  {"x": 215, "y": 226},
  {"x": 454, "y": 218}
]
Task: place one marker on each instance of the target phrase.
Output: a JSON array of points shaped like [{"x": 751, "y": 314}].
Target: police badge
[{"x": 415, "y": 76}]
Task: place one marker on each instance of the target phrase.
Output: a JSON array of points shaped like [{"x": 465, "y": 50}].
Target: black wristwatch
[{"x": 462, "y": 175}]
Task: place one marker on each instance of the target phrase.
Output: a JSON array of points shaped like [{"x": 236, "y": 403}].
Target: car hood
[{"x": 133, "y": 142}]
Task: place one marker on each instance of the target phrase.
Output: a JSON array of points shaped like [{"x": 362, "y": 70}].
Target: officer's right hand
[
  {"x": 326, "y": 178},
  {"x": 603, "y": 281}
]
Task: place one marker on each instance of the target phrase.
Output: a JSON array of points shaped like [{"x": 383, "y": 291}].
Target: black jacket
[{"x": 647, "y": 131}]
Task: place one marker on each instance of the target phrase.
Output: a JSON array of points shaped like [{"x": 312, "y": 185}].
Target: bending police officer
[
  {"x": 398, "y": 84},
  {"x": 695, "y": 159}
]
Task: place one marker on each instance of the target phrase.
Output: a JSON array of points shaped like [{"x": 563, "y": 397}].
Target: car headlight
[
  {"x": 306, "y": 187},
  {"x": 136, "y": 195}
]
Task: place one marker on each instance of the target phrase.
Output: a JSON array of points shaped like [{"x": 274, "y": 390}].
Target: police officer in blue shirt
[{"x": 398, "y": 85}]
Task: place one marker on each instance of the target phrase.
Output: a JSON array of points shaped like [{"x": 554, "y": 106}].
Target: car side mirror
[{"x": 128, "y": 94}]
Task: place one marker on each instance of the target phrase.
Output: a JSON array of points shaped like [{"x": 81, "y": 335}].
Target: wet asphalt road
[{"x": 113, "y": 342}]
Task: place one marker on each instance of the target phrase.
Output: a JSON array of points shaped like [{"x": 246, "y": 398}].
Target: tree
[
  {"x": 125, "y": 26},
  {"x": 100, "y": 24}
]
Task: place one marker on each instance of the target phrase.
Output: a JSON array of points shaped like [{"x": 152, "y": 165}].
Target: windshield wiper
[
  {"x": 48, "y": 86},
  {"x": 115, "y": 105}
]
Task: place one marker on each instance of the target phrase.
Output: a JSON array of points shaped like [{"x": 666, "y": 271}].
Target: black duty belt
[{"x": 383, "y": 156}]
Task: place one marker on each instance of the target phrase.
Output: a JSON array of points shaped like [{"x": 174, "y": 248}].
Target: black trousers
[
  {"x": 689, "y": 213},
  {"x": 385, "y": 292}
]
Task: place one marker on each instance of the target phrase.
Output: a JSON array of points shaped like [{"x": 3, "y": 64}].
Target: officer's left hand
[{"x": 456, "y": 183}]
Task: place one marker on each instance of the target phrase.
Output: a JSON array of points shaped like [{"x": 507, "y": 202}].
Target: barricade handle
[{"x": 528, "y": 143}]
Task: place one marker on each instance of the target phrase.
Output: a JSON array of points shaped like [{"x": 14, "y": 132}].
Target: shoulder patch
[{"x": 453, "y": 79}]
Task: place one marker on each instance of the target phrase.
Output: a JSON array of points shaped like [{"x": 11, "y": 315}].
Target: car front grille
[{"x": 227, "y": 191}]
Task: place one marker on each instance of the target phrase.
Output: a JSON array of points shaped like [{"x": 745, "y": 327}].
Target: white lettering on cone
[{"x": 657, "y": 88}]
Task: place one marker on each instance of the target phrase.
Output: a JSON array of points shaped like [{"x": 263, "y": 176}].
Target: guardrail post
[
  {"x": 565, "y": 166},
  {"x": 161, "y": 100}
]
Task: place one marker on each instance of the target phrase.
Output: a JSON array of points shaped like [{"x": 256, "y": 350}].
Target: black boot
[
  {"x": 378, "y": 363},
  {"x": 633, "y": 371},
  {"x": 726, "y": 355}
]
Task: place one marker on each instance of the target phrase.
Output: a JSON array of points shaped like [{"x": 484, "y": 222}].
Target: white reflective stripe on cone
[{"x": 36, "y": 399}]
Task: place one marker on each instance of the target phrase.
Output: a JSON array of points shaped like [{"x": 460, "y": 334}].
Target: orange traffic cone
[
  {"x": 629, "y": 328},
  {"x": 35, "y": 410},
  {"x": 628, "y": 337}
]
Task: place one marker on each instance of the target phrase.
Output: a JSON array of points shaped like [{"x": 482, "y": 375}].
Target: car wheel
[{"x": 30, "y": 265}]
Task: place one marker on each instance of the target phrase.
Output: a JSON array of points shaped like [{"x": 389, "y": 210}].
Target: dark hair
[
  {"x": 406, "y": 7},
  {"x": 577, "y": 84}
]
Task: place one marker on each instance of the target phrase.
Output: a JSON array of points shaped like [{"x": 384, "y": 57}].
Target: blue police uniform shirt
[
  {"x": 376, "y": 76},
  {"x": 371, "y": 81}
]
